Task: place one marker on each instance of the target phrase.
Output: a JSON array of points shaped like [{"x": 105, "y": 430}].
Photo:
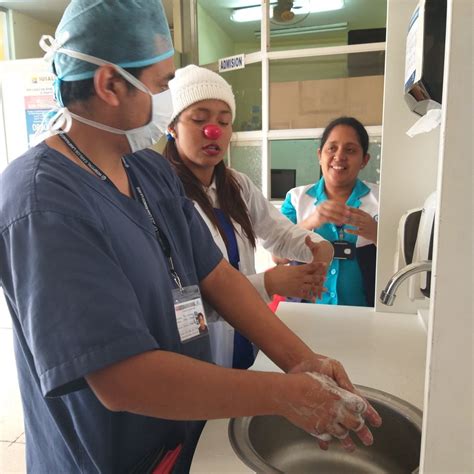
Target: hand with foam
[
  {"x": 302, "y": 281},
  {"x": 349, "y": 403},
  {"x": 323, "y": 252},
  {"x": 341, "y": 385},
  {"x": 364, "y": 225},
  {"x": 328, "y": 211},
  {"x": 315, "y": 403}
]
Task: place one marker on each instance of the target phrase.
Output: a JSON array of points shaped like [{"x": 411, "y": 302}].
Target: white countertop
[{"x": 385, "y": 351}]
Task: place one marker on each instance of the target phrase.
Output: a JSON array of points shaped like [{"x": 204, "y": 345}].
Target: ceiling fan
[{"x": 286, "y": 12}]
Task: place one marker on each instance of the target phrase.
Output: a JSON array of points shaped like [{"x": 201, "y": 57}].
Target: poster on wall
[
  {"x": 26, "y": 94},
  {"x": 39, "y": 100}
]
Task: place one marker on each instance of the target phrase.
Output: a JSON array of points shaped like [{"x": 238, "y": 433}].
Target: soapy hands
[
  {"x": 333, "y": 406},
  {"x": 365, "y": 225},
  {"x": 328, "y": 211},
  {"x": 302, "y": 281},
  {"x": 323, "y": 252},
  {"x": 316, "y": 404},
  {"x": 333, "y": 212}
]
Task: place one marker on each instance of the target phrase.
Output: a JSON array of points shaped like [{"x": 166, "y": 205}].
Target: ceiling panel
[{"x": 359, "y": 14}]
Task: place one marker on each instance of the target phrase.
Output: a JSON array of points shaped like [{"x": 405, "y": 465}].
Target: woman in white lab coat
[{"x": 233, "y": 208}]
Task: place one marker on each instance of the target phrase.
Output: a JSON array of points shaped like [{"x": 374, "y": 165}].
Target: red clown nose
[{"x": 212, "y": 132}]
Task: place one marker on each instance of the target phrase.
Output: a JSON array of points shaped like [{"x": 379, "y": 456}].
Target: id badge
[
  {"x": 343, "y": 250},
  {"x": 189, "y": 310}
]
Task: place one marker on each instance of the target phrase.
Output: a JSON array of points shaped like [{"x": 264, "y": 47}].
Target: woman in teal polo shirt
[{"x": 344, "y": 210}]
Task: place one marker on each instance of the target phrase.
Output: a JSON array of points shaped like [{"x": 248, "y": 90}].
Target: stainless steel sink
[{"x": 271, "y": 444}]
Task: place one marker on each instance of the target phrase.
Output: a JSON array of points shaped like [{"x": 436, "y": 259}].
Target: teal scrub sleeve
[{"x": 288, "y": 210}]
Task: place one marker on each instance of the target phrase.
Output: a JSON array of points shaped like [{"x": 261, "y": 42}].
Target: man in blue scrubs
[{"x": 98, "y": 249}]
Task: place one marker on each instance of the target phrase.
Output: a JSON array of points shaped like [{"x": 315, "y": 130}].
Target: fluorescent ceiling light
[
  {"x": 305, "y": 30},
  {"x": 301, "y": 7}
]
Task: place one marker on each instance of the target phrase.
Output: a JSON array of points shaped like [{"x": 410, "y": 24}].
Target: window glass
[
  {"x": 310, "y": 92},
  {"x": 371, "y": 172},
  {"x": 320, "y": 23},
  {"x": 219, "y": 36},
  {"x": 247, "y": 86},
  {"x": 246, "y": 157}
]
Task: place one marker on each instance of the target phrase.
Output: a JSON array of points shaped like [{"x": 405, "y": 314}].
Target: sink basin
[{"x": 271, "y": 444}]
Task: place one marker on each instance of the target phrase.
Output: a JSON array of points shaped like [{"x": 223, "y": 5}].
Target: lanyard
[
  {"x": 160, "y": 235},
  {"x": 340, "y": 231}
]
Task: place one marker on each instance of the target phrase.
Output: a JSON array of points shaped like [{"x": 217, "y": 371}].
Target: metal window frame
[{"x": 265, "y": 56}]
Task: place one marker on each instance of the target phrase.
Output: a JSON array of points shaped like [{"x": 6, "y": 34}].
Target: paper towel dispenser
[{"x": 424, "y": 62}]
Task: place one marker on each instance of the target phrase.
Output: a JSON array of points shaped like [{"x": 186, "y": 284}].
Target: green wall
[
  {"x": 213, "y": 42},
  {"x": 247, "y": 86}
]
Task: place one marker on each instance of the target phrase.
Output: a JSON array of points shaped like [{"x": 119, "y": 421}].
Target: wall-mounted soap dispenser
[
  {"x": 424, "y": 241},
  {"x": 415, "y": 245}
]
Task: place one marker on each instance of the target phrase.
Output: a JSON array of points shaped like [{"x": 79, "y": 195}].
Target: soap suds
[{"x": 347, "y": 402}]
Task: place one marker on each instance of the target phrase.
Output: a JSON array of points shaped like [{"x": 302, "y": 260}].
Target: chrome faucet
[{"x": 387, "y": 296}]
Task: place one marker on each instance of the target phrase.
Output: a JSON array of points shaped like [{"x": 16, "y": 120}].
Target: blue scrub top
[
  {"x": 88, "y": 285},
  {"x": 344, "y": 280}
]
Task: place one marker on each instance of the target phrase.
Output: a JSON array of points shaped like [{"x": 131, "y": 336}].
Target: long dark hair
[
  {"x": 228, "y": 193},
  {"x": 350, "y": 122}
]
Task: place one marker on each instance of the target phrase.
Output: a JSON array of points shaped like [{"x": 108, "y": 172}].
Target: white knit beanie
[{"x": 193, "y": 83}]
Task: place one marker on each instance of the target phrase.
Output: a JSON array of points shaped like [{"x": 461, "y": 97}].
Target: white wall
[
  {"x": 448, "y": 423},
  {"x": 25, "y": 33},
  {"x": 409, "y": 165}
]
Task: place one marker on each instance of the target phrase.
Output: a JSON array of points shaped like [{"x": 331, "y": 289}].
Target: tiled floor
[{"x": 12, "y": 439}]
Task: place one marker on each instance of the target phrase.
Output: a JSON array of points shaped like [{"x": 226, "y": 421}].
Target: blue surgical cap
[{"x": 129, "y": 33}]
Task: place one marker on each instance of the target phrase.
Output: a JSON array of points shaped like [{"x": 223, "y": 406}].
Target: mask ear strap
[
  {"x": 60, "y": 121},
  {"x": 107, "y": 128},
  {"x": 100, "y": 62}
]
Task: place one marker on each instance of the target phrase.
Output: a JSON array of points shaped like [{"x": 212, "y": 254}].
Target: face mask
[
  {"x": 138, "y": 138},
  {"x": 142, "y": 137}
]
